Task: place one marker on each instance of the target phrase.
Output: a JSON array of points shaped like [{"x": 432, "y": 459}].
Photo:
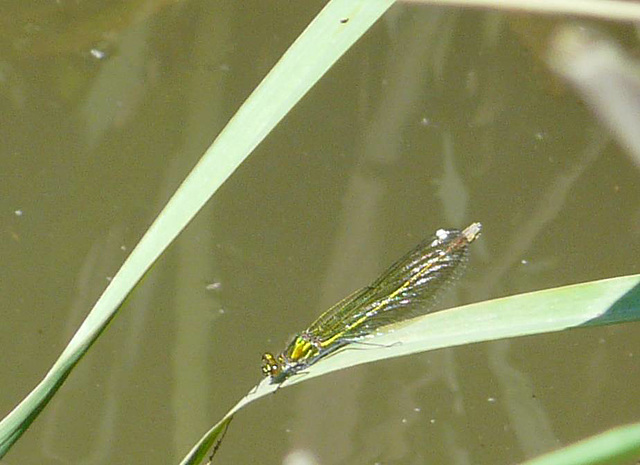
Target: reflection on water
[{"x": 437, "y": 118}]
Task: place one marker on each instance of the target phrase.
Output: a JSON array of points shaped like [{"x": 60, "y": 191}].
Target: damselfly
[{"x": 406, "y": 290}]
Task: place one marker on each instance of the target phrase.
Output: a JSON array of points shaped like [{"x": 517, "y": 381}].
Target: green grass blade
[
  {"x": 609, "y": 301},
  {"x": 604, "y": 302},
  {"x": 616, "y": 446},
  {"x": 603, "y": 9},
  {"x": 209, "y": 441},
  {"x": 325, "y": 40}
]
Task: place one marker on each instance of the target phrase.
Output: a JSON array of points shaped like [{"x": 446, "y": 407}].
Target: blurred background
[{"x": 438, "y": 117}]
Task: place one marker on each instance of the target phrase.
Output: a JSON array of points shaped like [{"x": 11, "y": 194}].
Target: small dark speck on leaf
[{"x": 344, "y": 20}]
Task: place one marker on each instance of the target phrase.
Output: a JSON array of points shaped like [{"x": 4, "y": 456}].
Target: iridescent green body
[{"x": 407, "y": 289}]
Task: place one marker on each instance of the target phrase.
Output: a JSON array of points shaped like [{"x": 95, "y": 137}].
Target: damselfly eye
[{"x": 270, "y": 366}]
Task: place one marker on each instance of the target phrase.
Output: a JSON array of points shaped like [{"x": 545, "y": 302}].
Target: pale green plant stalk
[
  {"x": 326, "y": 39},
  {"x": 605, "y": 302}
]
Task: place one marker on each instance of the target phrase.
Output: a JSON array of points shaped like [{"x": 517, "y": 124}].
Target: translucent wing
[{"x": 407, "y": 289}]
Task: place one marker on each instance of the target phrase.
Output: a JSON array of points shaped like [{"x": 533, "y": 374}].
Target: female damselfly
[{"x": 407, "y": 289}]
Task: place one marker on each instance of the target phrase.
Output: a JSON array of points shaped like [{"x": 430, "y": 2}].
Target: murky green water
[{"x": 437, "y": 118}]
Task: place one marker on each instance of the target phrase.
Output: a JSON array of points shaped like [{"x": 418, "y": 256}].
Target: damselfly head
[{"x": 270, "y": 365}]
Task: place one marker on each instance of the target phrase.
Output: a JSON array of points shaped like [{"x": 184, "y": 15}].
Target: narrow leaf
[{"x": 330, "y": 34}]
